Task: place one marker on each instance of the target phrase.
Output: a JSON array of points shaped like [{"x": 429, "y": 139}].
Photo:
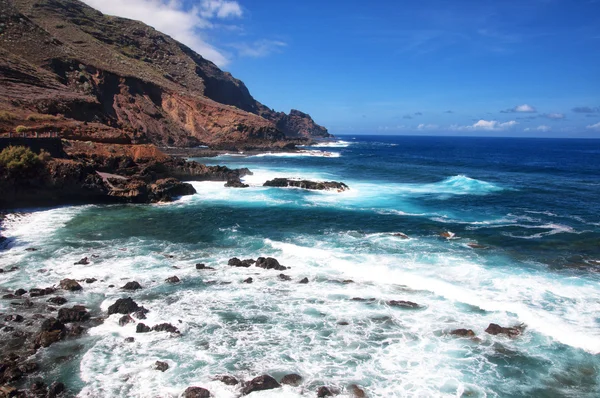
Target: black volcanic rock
[
  {"x": 260, "y": 383},
  {"x": 306, "y": 184},
  {"x": 123, "y": 306},
  {"x": 269, "y": 263}
]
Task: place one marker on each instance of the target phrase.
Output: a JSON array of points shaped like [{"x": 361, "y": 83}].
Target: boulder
[
  {"x": 55, "y": 389},
  {"x": 326, "y": 392},
  {"x": 20, "y": 292},
  {"x": 142, "y": 328},
  {"x": 165, "y": 327},
  {"x": 356, "y": 392},
  {"x": 129, "y": 339},
  {"x": 196, "y": 392},
  {"x": 236, "y": 262},
  {"x": 70, "y": 284},
  {"x": 173, "y": 279},
  {"x": 260, "y": 383},
  {"x": 463, "y": 333},
  {"x": 304, "y": 281},
  {"x": 52, "y": 324},
  {"x": 403, "y": 304},
  {"x": 77, "y": 313},
  {"x": 57, "y": 300},
  {"x": 203, "y": 266},
  {"x": 284, "y": 277},
  {"x": 125, "y": 319},
  {"x": 306, "y": 184},
  {"x": 123, "y": 306},
  {"x": 249, "y": 280},
  {"x": 14, "y": 318},
  {"x": 90, "y": 280},
  {"x": 228, "y": 380},
  {"x": 291, "y": 379},
  {"x": 132, "y": 286},
  {"x": 41, "y": 292},
  {"x": 167, "y": 189},
  {"x": 236, "y": 183},
  {"x": 83, "y": 261},
  {"x": 162, "y": 366},
  {"x": 495, "y": 329},
  {"x": 269, "y": 263}
]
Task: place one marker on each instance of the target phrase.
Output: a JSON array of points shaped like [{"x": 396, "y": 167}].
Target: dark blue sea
[{"x": 473, "y": 230}]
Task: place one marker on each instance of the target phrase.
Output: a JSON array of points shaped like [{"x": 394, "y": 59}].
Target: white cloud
[
  {"x": 543, "y": 128},
  {"x": 423, "y": 126},
  {"x": 525, "y": 108},
  {"x": 220, "y": 9},
  {"x": 594, "y": 126},
  {"x": 486, "y": 125},
  {"x": 259, "y": 48},
  {"x": 555, "y": 116},
  {"x": 170, "y": 17}
]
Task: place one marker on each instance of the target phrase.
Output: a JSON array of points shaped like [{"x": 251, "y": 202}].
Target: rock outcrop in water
[
  {"x": 306, "y": 184},
  {"x": 67, "y": 68}
]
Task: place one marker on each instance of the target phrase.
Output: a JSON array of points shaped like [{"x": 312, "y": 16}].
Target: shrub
[
  {"x": 7, "y": 116},
  {"x": 21, "y": 129},
  {"x": 18, "y": 160},
  {"x": 36, "y": 117}
]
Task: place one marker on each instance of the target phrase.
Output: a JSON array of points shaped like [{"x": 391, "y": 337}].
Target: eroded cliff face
[{"x": 104, "y": 76}]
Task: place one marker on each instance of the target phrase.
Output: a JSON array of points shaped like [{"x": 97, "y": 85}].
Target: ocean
[{"x": 523, "y": 251}]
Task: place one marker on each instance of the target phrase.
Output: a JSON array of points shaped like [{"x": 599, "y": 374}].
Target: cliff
[{"x": 66, "y": 67}]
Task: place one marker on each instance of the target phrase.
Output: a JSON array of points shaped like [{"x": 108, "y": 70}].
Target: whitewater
[{"x": 523, "y": 252}]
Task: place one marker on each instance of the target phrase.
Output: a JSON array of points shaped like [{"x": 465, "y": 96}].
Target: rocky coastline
[{"x": 39, "y": 317}]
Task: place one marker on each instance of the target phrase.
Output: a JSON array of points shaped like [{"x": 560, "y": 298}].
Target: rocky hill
[{"x": 66, "y": 67}]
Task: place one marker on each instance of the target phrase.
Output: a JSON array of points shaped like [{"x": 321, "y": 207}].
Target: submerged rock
[
  {"x": 77, "y": 313},
  {"x": 35, "y": 292},
  {"x": 228, "y": 380},
  {"x": 269, "y": 263},
  {"x": 196, "y": 392},
  {"x": 260, "y": 383},
  {"x": 203, "y": 266},
  {"x": 400, "y": 235},
  {"x": 235, "y": 183},
  {"x": 58, "y": 300},
  {"x": 70, "y": 285},
  {"x": 132, "y": 286},
  {"x": 284, "y": 277},
  {"x": 173, "y": 279},
  {"x": 83, "y": 261},
  {"x": 162, "y": 366},
  {"x": 495, "y": 329},
  {"x": 326, "y": 392},
  {"x": 356, "y": 392},
  {"x": 403, "y": 304},
  {"x": 306, "y": 184},
  {"x": 463, "y": 333},
  {"x": 123, "y": 306},
  {"x": 165, "y": 327},
  {"x": 291, "y": 379}
]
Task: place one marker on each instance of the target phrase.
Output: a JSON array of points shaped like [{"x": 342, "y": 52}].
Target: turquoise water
[{"x": 533, "y": 205}]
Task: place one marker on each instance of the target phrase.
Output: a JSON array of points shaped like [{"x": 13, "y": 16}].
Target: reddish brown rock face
[{"x": 114, "y": 80}]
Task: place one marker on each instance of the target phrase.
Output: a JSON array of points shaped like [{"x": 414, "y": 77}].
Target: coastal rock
[
  {"x": 292, "y": 379},
  {"x": 55, "y": 389},
  {"x": 83, "y": 261},
  {"x": 142, "y": 328},
  {"x": 249, "y": 280},
  {"x": 403, "y": 304},
  {"x": 235, "y": 183},
  {"x": 463, "y": 333},
  {"x": 196, "y": 392},
  {"x": 14, "y": 318},
  {"x": 20, "y": 292},
  {"x": 228, "y": 380},
  {"x": 165, "y": 327},
  {"x": 269, "y": 263},
  {"x": 326, "y": 392},
  {"x": 77, "y": 313},
  {"x": 173, "y": 279},
  {"x": 284, "y": 277},
  {"x": 260, "y": 383},
  {"x": 400, "y": 235},
  {"x": 304, "y": 281},
  {"x": 167, "y": 189},
  {"x": 356, "y": 392},
  {"x": 52, "y": 330},
  {"x": 495, "y": 329},
  {"x": 306, "y": 184},
  {"x": 125, "y": 319},
  {"x": 58, "y": 300},
  {"x": 160, "y": 365},
  {"x": 132, "y": 286},
  {"x": 236, "y": 262},
  {"x": 36, "y": 292},
  {"x": 123, "y": 306},
  {"x": 91, "y": 280},
  {"x": 203, "y": 267},
  {"x": 70, "y": 284},
  {"x": 129, "y": 339}
]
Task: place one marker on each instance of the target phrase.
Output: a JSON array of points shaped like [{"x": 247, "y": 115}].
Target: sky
[{"x": 527, "y": 68}]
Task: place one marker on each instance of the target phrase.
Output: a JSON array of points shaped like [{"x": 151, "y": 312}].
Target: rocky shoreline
[{"x": 40, "y": 317}]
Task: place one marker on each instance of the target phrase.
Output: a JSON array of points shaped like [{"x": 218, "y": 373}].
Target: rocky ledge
[{"x": 306, "y": 184}]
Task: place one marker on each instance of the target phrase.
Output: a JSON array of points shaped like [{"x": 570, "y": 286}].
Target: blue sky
[{"x": 462, "y": 67}]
